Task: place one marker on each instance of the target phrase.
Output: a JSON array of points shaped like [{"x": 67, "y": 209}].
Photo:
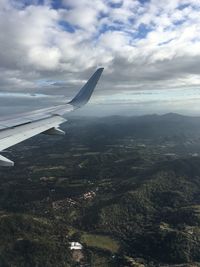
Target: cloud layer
[{"x": 50, "y": 46}]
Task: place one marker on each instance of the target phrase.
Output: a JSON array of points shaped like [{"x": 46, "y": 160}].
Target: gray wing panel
[
  {"x": 29, "y": 117},
  {"x": 15, "y": 135},
  {"x": 79, "y": 100}
]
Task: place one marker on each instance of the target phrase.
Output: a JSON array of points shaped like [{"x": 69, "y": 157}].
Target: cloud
[{"x": 144, "y": 45}]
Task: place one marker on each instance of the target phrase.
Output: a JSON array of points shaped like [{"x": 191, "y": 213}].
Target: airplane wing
[{"x": 23, "y": 126}]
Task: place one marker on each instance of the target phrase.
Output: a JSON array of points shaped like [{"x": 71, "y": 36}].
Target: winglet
[{"x": 86, "y": 91}]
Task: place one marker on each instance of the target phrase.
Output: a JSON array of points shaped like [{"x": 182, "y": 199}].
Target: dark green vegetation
[{"x": 127, "y": 188}]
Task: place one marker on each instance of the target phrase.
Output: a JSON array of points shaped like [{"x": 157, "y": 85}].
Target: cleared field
[{"x": 100, "y": 241}]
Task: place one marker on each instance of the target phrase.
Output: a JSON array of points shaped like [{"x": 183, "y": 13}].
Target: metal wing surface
[{"x": 18, "y": 128}]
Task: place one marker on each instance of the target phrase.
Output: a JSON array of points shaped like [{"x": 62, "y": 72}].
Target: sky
[{"x": 150, "y": 50}]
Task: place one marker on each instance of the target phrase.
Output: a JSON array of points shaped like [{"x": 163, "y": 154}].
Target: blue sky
[{"x": 52, "y": 47}]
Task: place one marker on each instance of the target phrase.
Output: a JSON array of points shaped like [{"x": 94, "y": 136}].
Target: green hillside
[{"x": 127, "y": 189}]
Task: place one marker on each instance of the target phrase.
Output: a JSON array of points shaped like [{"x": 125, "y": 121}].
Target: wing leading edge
[{"x": 19, "y": 128}]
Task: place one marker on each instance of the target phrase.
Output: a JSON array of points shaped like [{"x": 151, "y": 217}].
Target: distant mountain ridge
[{"x": 152, "y": 125}]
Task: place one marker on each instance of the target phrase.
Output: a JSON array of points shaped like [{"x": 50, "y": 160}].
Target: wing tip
[
  {"x": 86, "y": 91},
  {"x": 100, "y": 69}
]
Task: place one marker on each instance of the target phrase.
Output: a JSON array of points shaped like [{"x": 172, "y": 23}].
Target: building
[{"x": 75, "y": 246}]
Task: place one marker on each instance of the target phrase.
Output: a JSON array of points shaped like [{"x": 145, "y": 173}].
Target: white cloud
[
  {"x": 154, "y": 45},
  {"x": 45, "y": 57}
]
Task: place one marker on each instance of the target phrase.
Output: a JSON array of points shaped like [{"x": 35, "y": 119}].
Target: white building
[{"x": 75, "y": 246}]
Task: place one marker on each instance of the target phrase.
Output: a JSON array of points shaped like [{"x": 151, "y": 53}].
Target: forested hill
[{"x": 126, "y": 188}]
